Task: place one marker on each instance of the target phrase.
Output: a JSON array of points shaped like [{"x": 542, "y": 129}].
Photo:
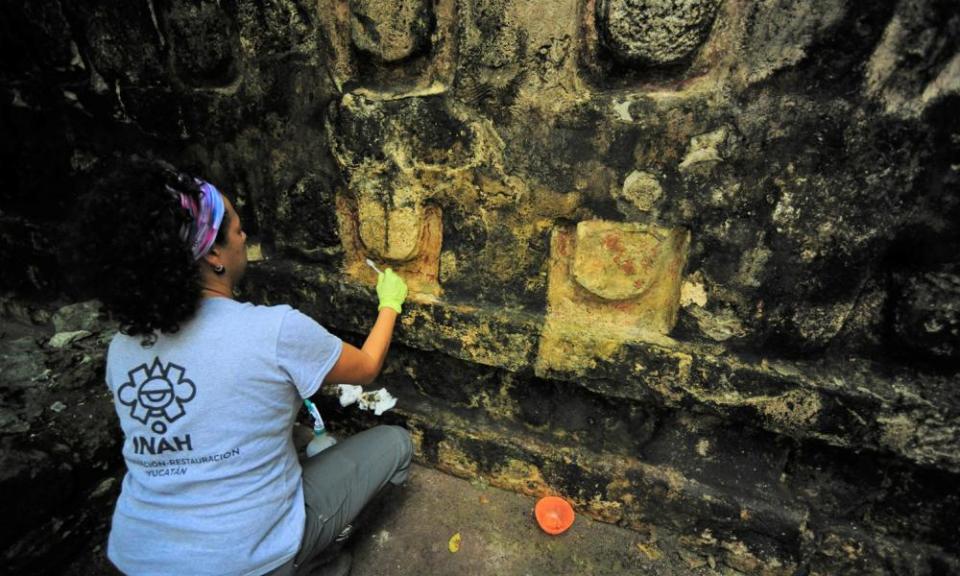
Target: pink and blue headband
[{"x": 207, "y": 209}]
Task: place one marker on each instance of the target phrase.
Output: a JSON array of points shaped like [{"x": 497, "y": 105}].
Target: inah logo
[{"x": 158, "y": 392}]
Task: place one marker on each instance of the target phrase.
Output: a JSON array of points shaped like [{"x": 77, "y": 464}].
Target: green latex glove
[{"x": 391, "y": 289}]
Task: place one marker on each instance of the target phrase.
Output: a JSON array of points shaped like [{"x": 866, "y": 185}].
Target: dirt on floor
[{"x": 410, "y": 533}]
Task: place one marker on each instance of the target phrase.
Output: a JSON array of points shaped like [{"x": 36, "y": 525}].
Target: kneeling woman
[{"x": 207, "y": 389}]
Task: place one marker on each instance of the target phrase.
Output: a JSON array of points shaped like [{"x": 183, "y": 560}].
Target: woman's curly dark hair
[{"x": 129, "y": 252}]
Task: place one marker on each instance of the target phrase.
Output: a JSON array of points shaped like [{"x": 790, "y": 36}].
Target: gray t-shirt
[{"x": 213, "y": 484}]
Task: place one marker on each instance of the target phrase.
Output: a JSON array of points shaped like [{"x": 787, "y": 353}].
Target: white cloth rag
[
  {"x": 349, "y": 393},
  {"x": 379, "y": 400}
]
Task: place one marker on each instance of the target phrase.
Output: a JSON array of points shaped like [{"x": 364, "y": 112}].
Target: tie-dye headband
[{"x": 207, "y": 209}]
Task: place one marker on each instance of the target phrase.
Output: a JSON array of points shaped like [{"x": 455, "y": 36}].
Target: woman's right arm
[{"x": 362, "y": 365}]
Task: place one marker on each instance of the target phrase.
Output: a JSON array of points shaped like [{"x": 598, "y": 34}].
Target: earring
[{"x": 219, "y": 269}]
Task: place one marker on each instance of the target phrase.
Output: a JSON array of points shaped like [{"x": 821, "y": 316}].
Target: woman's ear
[{"x": 212, "y": 258}]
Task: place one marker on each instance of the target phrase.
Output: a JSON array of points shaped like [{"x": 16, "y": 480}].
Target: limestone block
[
  {"x": 306, "y": 220},
  {"x": 390, "y": 31},
  {"x": 780, "y": 33},
  {"x": 609, "y": 283},
  {"x": 654, "y": 32},
  {"x": 204, "y": 43},
  {"x": 37, "y": 35},
  {"x": 926, "y": 315}
]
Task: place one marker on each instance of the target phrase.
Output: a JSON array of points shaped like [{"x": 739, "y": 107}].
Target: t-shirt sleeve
[{"x": 306, "y": 352}]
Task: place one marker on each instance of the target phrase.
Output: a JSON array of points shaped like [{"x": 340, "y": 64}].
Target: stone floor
[{"x": 409, "y": 535}]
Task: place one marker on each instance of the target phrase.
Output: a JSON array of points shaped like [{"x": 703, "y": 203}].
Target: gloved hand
[{"x": 391, "y": 289}]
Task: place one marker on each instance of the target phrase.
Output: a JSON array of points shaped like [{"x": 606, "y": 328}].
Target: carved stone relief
[
  {"x": 390, "y": 31},
  {"x": 654, "y": 32},
  {"x": 394, "y": 47},
  {"x": 609, "y": 282}
]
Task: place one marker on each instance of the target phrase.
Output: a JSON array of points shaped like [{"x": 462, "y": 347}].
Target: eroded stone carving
[
  {"x": 398, "y": 150},
  {"x": 390, "y": 31},
  {"x": 390, "y": 226},
  {"x": 654, "y": 32},
  {"x": 616, "y": 261},
  {"x": 398, "y": 48},
  {"x": 413, "y": 249},
  {"x": 609, "y": 283},
  {"x": 204, "y": 43}
]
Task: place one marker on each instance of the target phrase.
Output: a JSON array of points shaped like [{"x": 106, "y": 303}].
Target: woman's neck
[{"x": 215, "y": 293}]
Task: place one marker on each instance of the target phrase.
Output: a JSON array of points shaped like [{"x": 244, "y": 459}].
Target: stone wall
[{"x": 691, "y": 264}]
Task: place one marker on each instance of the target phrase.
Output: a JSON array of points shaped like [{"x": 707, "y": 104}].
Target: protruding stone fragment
[
  {"x": 390, "y": 31},
  {"x": 640, "y": 192},
  {"x": 692, "y": 292},
  {"x": 719, "y": 324},
  {"x": 79, "y": 316},
  {"x": 918, "y": 60},
  {"x": 703, "y": 153},
  {"x": 654, "y": 32},
  {"x": 64, "y": 339}
]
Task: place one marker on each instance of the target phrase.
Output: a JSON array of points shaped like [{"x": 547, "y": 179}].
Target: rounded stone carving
[
  {"x": 616, "y": 260},
  {"x": 390, "y": 31},
  {"x": 391, "y": 234},
  {"x": 654, "y": 32}
]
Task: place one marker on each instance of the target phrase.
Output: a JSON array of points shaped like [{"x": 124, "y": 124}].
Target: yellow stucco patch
[
  {"x": 609, "y": 283},
  {"x": 452, "y": 460},
  {"x": 521, "y": 477}
]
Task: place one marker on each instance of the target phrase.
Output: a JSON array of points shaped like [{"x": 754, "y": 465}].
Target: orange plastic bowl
[{"x": 554, "y": 514}]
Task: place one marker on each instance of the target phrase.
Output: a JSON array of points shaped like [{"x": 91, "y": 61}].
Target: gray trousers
[{"x": 338, "y": 483}]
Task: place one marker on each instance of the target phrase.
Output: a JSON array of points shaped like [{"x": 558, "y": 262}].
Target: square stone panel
[
  {"x": 618, "y": 261},
  {"x": 419, "y": 249},
  {"x": 609, "y": 283}
]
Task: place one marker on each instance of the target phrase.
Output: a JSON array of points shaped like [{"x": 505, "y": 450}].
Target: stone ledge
[
  {"x": 852, "y": 406},
  {"x": 769, "y": 536}
]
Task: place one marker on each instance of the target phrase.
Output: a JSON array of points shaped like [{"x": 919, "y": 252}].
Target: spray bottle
[{"x": 321, "y": 440}]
